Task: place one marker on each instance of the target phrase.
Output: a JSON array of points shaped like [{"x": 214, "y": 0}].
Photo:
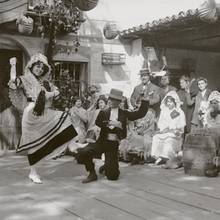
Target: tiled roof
[{"x": 186, "y": 19}]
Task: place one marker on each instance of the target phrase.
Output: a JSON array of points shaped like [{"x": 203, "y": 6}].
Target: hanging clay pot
[
  {"x": 110, "y": 31},
  {"x": 86, "y": 5},
  {"x": 25, "y": 25}
]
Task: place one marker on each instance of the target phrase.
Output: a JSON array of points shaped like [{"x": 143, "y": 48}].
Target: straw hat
[{"x": 144, "y": 72}]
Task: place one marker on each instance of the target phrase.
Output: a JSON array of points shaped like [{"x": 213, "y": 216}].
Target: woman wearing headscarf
[
  {"x": 167, "y": 142},
  {"x": 45, "y": 132},
  {"x": 212, "y": 116}
]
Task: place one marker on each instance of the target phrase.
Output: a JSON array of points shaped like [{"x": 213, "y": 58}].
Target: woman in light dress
[
  {"x": 45, "y": 132},
  {"x": 167, "y": 141}
]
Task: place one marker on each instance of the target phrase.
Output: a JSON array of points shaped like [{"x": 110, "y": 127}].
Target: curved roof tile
[{"x": 188, "y": 18}]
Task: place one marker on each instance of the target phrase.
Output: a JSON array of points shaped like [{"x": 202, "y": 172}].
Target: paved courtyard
[{"x": 142, "y": 192}]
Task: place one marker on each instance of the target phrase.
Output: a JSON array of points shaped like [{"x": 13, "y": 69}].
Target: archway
[{"x": 10, "y": 124}]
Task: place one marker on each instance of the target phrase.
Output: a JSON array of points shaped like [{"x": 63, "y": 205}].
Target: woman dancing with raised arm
[{"x": 45, "y": 132}]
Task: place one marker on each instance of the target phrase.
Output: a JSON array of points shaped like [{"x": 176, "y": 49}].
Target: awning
[
  {"x": 72, "y": 57},
  {"x": 12, "y": 9}
]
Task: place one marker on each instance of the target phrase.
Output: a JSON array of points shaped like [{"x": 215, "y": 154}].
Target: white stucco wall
[{"x": 122, "y": 76}]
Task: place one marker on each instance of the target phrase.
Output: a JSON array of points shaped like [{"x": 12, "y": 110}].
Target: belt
[{"x": 112, "y": 137}]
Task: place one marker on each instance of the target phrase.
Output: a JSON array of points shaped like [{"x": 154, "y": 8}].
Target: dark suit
[
  {"x": 103, "y": 145},
  {"x": 152, "y": 91},
  {"x": 195, "y": 123}
]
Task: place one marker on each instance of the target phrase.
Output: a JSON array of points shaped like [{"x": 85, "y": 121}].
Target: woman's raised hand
[{"x": 13, "y": 61}]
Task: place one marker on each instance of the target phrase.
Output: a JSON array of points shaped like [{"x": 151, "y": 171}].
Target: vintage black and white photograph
[{"x": 109, "y": 110}]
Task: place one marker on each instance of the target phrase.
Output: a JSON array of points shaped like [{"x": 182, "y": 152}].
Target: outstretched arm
[
  {"x": 134, "y": 97},
  {"x": 16, "y": 93},
  {"x": 140, "y": 113}
]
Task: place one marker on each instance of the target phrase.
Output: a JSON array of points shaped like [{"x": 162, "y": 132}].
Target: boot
[{"x": 91, "y": 177}]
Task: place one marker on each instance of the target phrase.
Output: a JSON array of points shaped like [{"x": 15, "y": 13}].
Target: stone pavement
[{"x": 142, "y": 192}]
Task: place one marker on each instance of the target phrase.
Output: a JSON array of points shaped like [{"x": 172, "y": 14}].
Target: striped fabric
[
  {"x": 37, "y": 131},
  {"x": 44, "y": 138},
  {"x": 47, "y": 135},
  {"x": 12, "y": 9}
]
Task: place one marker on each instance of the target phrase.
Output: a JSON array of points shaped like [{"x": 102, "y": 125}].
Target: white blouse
[{"x": 166, "y": 121}]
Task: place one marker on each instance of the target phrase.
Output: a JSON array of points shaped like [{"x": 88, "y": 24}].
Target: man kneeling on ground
[{"x": 113, "y": 122}]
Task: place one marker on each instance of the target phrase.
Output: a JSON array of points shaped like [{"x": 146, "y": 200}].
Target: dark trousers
[{"x": 94, "y": 150}]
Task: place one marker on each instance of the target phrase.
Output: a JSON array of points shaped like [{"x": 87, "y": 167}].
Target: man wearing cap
[
  {"x": 145, "y": 88},
  {"x": 113, "y": 122}
]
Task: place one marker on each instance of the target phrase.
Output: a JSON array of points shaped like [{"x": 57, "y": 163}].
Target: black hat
[{"x": 116, "y": 94}]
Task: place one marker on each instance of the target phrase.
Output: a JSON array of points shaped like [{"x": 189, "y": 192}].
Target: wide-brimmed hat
[
  {"x": 116, "y": 94},
  {"x": 144, "y": 72}
]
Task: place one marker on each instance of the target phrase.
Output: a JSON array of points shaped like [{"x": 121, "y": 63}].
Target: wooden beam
[
  {"x": 184, "y": 46},
  {"x": 193, "y": 34}
]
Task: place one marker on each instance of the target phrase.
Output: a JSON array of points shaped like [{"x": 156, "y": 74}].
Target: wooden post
[{"x": 50, "y": 48}]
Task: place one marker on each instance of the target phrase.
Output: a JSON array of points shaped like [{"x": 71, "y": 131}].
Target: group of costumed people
[
  {"x": 159, "y": 140},
  {"x": 159, "y": 136},
  {"x": 47, "y": 132}
]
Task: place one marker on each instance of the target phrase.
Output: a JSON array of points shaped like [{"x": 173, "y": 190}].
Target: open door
[{"x": 10, "y": 120}]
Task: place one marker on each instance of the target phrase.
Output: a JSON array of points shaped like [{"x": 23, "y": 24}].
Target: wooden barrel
[{"x": 199, "y": 151}]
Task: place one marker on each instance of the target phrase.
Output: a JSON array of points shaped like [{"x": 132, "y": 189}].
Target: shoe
[
  {"x": 35, "y": 179},
  {"x": 150, "y": 159},
  {"x": 102, "y": 170},
  {"x": 91, "y": 177}
]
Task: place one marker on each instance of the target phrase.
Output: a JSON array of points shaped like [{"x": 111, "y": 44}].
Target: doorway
[
  {"x": 10, "y": 121},
  {"x": 5, "y": 56},
  {"x": 71, "y": 78}
]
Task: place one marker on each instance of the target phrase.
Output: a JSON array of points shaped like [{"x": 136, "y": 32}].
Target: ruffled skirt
[{"x": 45, "y": 136}]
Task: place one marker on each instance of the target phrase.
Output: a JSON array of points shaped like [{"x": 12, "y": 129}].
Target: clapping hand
[{"x": 114, "y": 123}]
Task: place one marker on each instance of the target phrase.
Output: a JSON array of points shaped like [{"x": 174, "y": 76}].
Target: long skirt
[
  {"x": 45, "y": 136},
  {"x": 166, "y": 145}
]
